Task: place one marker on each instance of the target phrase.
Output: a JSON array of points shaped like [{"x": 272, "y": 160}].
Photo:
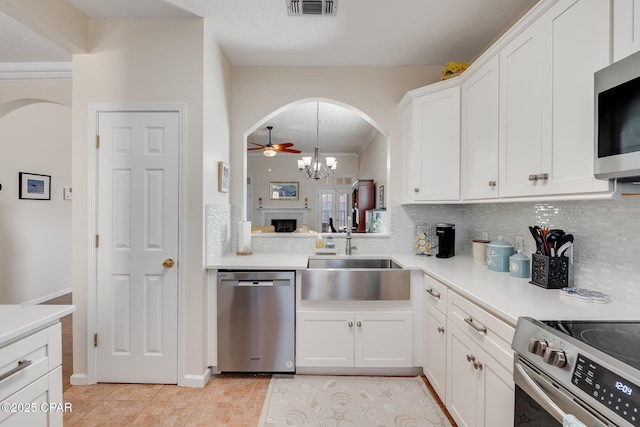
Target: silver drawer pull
[
  {"x": 21, "y": 365},
  {"x": 533, "y": 177},
  {"x": 359, "y": 324},
  {"x": 433, "y": 293},
  {"x": 441, "y": 329},
  {"x": 469, "y": 321},
  {"x": 477, "y": 365},
  {"x": 350, "y": 324}
]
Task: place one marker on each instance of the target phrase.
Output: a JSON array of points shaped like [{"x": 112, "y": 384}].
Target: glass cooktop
[{"x": 620, "y": 340}]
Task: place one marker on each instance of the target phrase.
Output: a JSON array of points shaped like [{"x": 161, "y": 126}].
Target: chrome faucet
[{"x": 349, "y": 248}]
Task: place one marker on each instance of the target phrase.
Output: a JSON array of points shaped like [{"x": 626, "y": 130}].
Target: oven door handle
[{"x": 542, "y": 398}]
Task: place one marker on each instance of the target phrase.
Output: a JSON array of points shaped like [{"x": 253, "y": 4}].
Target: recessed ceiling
[{"x": 261, "y": 33}]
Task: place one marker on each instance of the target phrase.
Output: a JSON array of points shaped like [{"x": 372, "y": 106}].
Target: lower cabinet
[
  {"x": 434, "y": 349},
  {"x": 480, "y": 388},
  {"x": 354, "y": 339},
  {"x": 480, "y": 391},
  {"x": 31, "y": 380}
]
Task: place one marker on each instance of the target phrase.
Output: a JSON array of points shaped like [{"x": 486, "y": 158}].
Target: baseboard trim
[
  {"x": 196, "y": 381},
  {"x": 51, "y": 296},
  {"x": 79, "y": 379}
]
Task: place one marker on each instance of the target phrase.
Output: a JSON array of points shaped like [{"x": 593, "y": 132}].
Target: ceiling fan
[{"x": 271, "y": 149}]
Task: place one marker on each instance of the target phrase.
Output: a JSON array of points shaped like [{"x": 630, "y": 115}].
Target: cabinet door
[
  {"x": 462, "y": 378},
  {"x": 45, "y": 391},
  {"x": 435, "y": 348},
  {"x": 626, "y": 28},
  {"x": 479, "y": 138},
  {"x": 384, "y": 339},
  {"x": 524, "y": 107},
  {"x": 580, "y": 47},
  {"x": 496, "y": 393},
  {"x": 436, "y": 146},
  {"x": 324, "y": 338}
]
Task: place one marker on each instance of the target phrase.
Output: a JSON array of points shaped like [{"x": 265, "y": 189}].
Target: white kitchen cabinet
[
  {"x": 626, "y": 28},
  {"x": 432, "y": 140},
  {"x": 480, "y": 388},
  {"x": 546, "y": 101},
  {"x": 434, "y": 346},
  {"x": 480, "y": 391},
  {"x": 31, "y": 375},
  {"x": 479, "y": 132},
  {"x": 354, "y": 339},
  {"x": 525, "y": 143}
]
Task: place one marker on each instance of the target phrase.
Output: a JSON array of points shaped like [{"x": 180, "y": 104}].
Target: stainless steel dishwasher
[{"x": 256, "y": 321}]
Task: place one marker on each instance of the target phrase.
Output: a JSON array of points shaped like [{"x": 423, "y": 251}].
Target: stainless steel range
[{"x": 590, "y": 370}]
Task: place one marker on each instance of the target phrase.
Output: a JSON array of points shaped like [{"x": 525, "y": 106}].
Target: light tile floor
[{"x": 227, "y": 400}]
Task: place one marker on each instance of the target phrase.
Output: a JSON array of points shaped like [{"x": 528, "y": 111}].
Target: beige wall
[
  {"x": 35, "y": 236},
  {"x": 153, "y": 61},
  {"x": 259, "y": 91},
  {"x": 373, "y": 163}
]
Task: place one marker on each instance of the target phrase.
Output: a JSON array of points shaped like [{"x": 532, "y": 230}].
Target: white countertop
[
  {"x": 18, "y": 320},
  {"x": 499, "y": 293}
]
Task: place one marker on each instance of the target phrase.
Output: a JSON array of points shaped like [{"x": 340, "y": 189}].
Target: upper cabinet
[
  {"x": 433, "y": 122},
  {"x": 526, "y": 112},
  {"x": 626, "y": 28},
  {"x": 547, "y": 102},
  {"x": 479, "y": 133}
]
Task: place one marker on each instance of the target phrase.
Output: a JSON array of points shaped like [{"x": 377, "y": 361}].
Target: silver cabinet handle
[
  {"x": 416, "y": 190},
  {"x": 477, "y": 365},
  {"x": 470, "y": 358},
  {"x": 350, "y": 324},
  {"x": 359, "y": 324},
  {"x": 433, "y": 293},
  {"x": 21, "y": 365},
  {"x": 441, "y": 329},
  {"x": 543, "y": 176},
  {"x": 533, "y": 177},
  {"x": 492, "y": 183},
  {"x": 469, "y": 321}
]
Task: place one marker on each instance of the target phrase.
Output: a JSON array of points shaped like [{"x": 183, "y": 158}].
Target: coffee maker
[{"x": 446, "y": 240}]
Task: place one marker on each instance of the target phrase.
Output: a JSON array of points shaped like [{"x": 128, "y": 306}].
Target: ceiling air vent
[{"x": 312, "y": 7}]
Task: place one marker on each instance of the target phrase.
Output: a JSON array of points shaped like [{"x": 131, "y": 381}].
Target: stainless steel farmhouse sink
[{"x": 354, "y": 279}]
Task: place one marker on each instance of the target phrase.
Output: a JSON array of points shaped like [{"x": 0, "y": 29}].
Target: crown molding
[{"x": 35, "y": 71}]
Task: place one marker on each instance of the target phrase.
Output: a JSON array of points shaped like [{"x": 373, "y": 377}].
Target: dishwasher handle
[{"x": 254, "y": 283}]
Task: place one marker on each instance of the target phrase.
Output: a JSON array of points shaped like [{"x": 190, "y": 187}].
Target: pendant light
[{"x": 312, "y": 167}]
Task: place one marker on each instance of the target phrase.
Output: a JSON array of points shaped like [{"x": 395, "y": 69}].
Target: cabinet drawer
[
  {"x": 491, "y": 333},
  {"x": 436, "y": 293},
  {"x": 28, "y": 359}
]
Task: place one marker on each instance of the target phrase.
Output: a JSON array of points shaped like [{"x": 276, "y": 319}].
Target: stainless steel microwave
[{"x": 617, "y": 120}]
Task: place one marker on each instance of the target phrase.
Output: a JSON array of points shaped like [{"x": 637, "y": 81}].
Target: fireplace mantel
[{"x": 301, "y": 215}]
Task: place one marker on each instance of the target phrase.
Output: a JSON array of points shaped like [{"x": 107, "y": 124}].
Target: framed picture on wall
[
  {"x": 223, "y": 177},
  {"x": 284, "y": 190},
  {"x": 33, "y": 186}
]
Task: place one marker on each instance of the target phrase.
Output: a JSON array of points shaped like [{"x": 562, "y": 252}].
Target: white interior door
[{"x": 137, "y": 291}]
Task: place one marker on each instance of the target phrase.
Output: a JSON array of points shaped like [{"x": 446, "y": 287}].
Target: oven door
[{"x": 542, "y": 402}]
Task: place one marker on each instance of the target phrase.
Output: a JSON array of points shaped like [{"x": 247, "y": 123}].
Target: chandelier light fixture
[{"x": 312, "y": 167}]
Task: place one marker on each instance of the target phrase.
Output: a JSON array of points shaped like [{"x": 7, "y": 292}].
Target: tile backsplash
[{"x": 607, "y": 235}]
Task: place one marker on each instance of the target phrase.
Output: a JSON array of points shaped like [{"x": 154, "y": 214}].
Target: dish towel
[{"x": 571, "y": 421}]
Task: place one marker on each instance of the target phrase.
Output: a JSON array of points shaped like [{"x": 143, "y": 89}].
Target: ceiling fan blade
[
  {"x": 255, "y": 143},
  {"x": 289, "y": 150},
  {"x": 257, "y": 148},
  {"x": 285, "y": 144}
]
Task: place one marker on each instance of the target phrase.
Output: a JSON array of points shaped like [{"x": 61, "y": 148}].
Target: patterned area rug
[{"x": 337, "y": 401}]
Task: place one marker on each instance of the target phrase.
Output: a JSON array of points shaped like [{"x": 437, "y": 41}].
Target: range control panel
[{"x": 611, "y": 390}]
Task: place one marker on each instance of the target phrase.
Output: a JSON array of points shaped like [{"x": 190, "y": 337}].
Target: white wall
[
  {"x": 35, "y": 235},
  {"x": 154, "y": 61},
  {"x": 259, "y": 91}
]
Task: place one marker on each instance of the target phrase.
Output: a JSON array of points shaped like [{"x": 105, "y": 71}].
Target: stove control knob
[
  {"x": 537, "y": 346},
  {"x": 555, "y": 357}
]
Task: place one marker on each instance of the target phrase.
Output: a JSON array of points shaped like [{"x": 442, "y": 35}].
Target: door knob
[{"x": 168, "y": 263}]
